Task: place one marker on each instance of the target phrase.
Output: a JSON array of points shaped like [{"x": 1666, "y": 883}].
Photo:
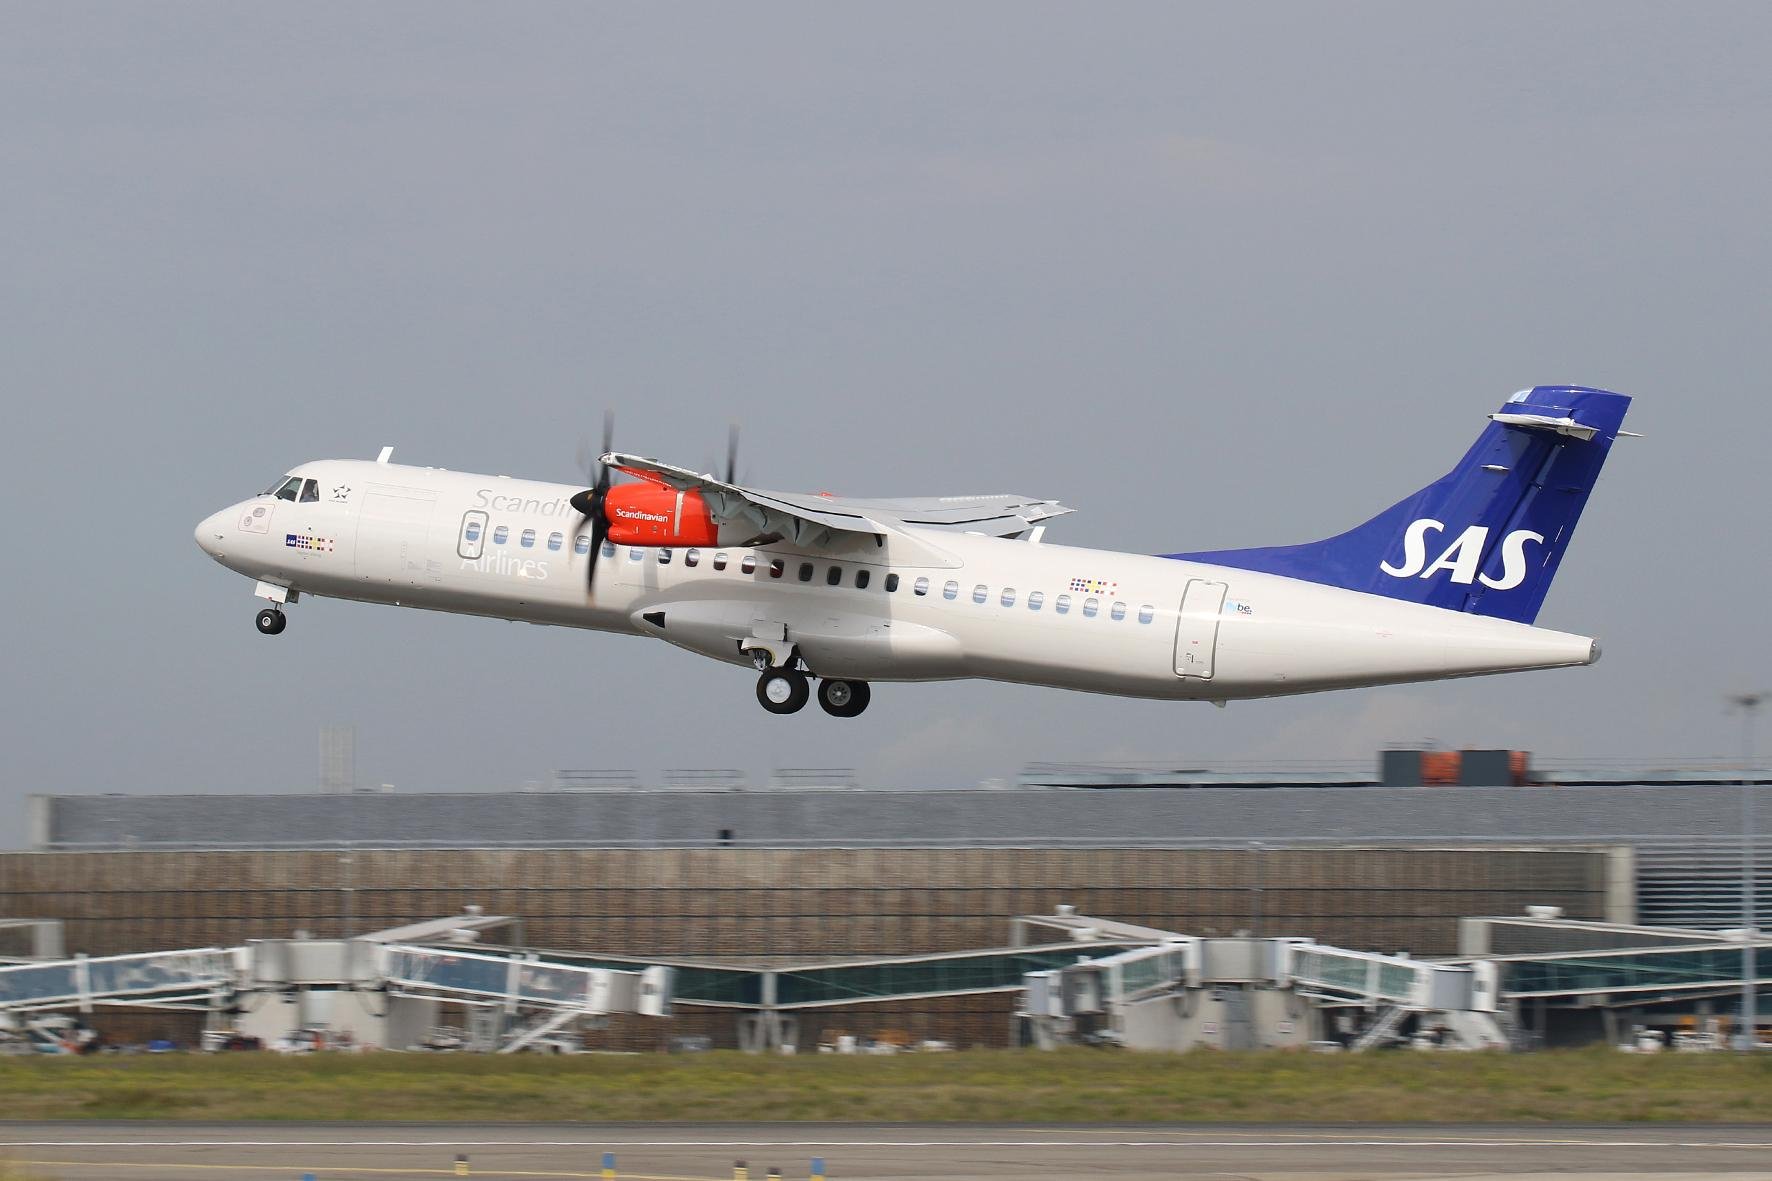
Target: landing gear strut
[
  {"x": 843, "y": 699},
  {"x": 271, "y": 622},
  {"x": 782, "y": 690}
]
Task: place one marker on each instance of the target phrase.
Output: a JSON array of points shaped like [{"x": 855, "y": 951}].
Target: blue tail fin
[{"x": 1485, "y": 538}]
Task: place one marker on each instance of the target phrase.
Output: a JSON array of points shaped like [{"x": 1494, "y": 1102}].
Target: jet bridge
[
  {"x": 1567, "y": 980},
  {"x": 163, "y": 979},
  {"x": 376, "y": 989},
  {"x": 1244, "y": 993}
]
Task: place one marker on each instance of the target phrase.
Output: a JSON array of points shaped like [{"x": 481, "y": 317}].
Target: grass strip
[{"x": 1596, "y": 1085}]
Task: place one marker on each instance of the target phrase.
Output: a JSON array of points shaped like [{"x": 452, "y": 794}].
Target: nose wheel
[
  {"x": 843, "y": 699},
  {"x": 271, "y": 622},
  {"x": 783, "y": 690}
]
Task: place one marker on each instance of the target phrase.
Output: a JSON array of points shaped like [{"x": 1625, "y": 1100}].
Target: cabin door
[{"x": 1196, "y": 632}]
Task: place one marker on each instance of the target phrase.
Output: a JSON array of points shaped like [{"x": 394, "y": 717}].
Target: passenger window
[
  {"x": 833, "y": 576},
  {"x": 1090, "y": 607},
  {"x": 951, "y": 590},
  {"x": 310, "y": 491},
  {"x": 1119, "y": 611},
  {"x": 1146, "y": 613},
  {"x": 920, "y": 587},
  {"x": 290, "y": 488},
  {"x": 664, "y": 557},
  {"x": 608, "y": 549},
  {"x": 555, "y": 541},
  {"x": 1062, "y": 604},
  {"x": 472, "y": 532},
  {"x": 720, "y": 561},
  {"x": 776, "y": 566},
  {"x": 1036, "y": 600},
  {"x": 501, "y": 535},
  {"x": 892, "y": 584},
  {"x": 1008, "y": 599},
  {"x": 581, "y": 545},
  {"x": 805, "y": 572},
  {"x": 635, "y": 554},
  {"x": 527, "y": 541},
  {"x": 749, "y": 564},
  {"x": 691, "y": 557},
  {"x": 980, "y": 593},
  {"x": 861, "y": 580}
]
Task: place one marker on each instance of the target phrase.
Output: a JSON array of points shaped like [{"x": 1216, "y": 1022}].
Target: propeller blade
[
  {"x": 590, "y": 502},
  {"x": 732, "y": 453}
]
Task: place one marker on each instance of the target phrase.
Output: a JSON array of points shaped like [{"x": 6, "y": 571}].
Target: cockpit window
[
  {"x": 287, "y": 490},
  {"x": 310, "y": 491}
]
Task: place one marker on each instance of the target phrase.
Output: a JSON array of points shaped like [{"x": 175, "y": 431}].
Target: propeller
[
  {"x": 732, "y": 453},
  {"x": 589, "y": 503}
]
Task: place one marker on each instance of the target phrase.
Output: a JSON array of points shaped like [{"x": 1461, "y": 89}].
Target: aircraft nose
[{"x": 212, "y": 531}]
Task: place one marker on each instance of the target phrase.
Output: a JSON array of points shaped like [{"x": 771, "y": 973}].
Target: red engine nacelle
[{"x": 654, "y": 515}]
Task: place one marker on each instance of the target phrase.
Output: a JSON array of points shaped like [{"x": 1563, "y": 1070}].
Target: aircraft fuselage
[{"x": 912, "y": 605}]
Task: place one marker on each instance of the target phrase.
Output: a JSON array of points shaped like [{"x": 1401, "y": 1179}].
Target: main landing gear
[
  {"x": 843, "y": 699},
  {"x": 271, "y": 622},
  {"x": 783, "y": 690}
]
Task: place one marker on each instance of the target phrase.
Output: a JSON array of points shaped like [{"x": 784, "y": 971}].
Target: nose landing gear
[{"x": 271, "y": 622}]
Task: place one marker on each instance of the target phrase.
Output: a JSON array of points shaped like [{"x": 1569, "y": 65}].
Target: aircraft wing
[{"x": 810, "y": 517}]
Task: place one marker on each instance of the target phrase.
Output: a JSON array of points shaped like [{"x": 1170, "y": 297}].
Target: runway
[{"x": 965, "y": 1152}]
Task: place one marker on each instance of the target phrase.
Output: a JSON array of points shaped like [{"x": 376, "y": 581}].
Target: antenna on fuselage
[{"x": 387, "y": 453}]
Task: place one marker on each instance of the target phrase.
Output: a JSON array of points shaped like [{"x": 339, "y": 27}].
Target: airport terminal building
[{"x": 753, "y": 878}]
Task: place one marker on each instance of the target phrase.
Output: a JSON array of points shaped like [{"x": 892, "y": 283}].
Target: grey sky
[{"x": 1215, "y": 275}]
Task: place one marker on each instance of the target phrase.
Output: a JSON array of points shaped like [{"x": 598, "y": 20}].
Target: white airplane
[{"x": 1443, "y": 584}]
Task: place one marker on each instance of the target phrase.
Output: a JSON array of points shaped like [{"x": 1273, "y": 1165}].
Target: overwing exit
[{"x": 825, "y": 595}]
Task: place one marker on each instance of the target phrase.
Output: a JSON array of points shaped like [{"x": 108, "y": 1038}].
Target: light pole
[{"x": 1749, "y": 705}]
